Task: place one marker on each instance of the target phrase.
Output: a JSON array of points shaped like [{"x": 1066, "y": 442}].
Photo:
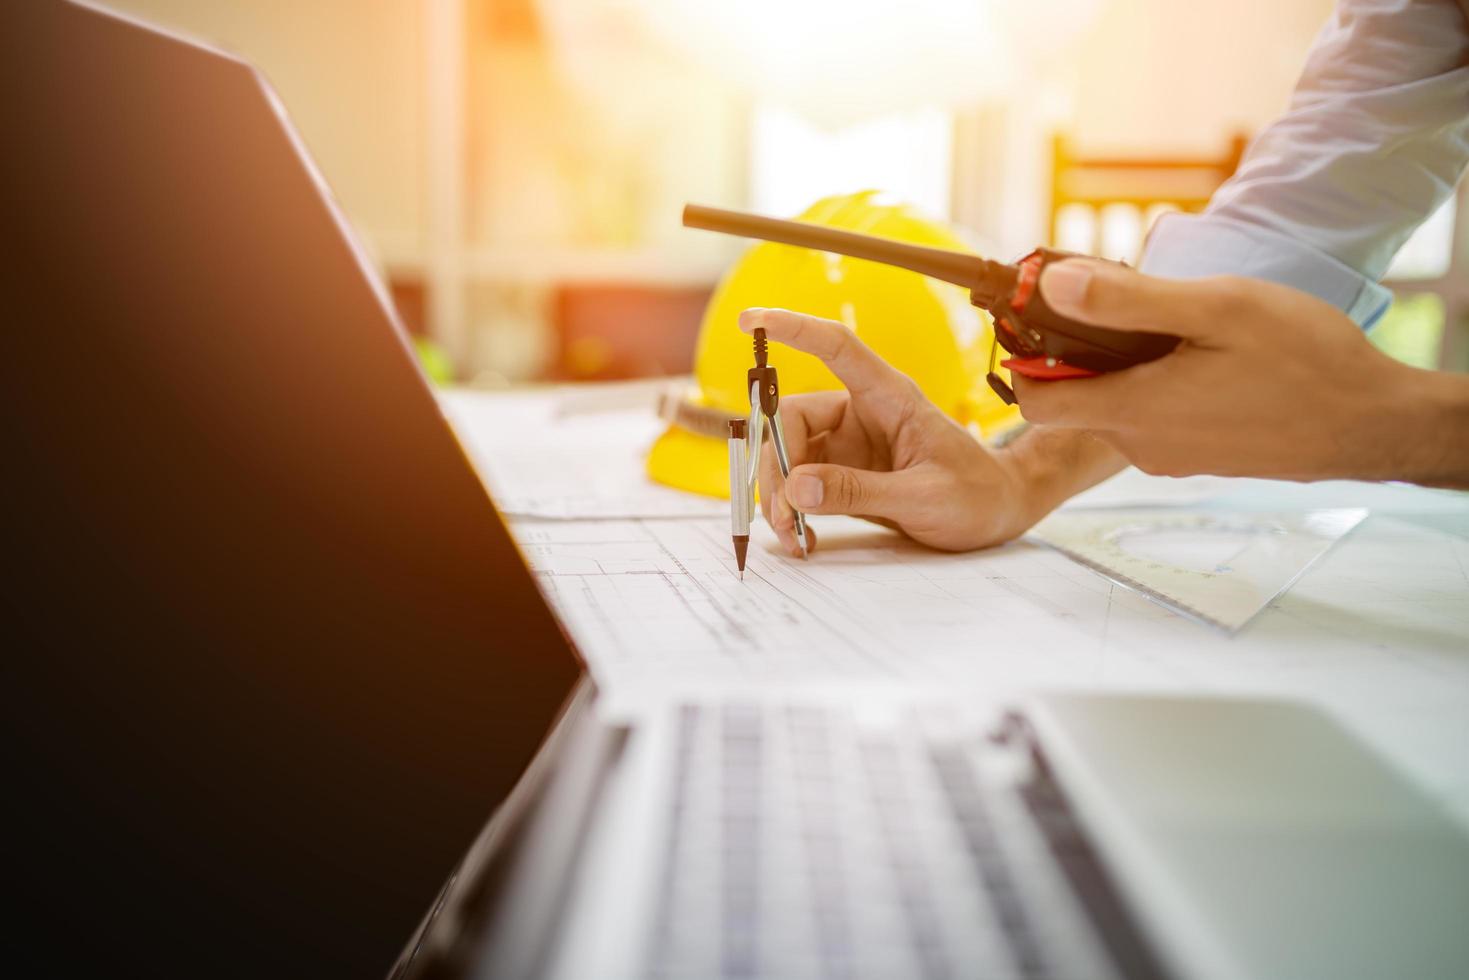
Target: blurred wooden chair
[
  {"x": 1106, "y": 205},
  {"x": 1102, "y": 205}
]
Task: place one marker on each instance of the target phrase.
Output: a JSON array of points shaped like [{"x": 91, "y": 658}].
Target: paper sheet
[{"x": 568, "y": 453}]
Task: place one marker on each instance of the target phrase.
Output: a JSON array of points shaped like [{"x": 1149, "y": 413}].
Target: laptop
[{"x": 285, "y": 699}]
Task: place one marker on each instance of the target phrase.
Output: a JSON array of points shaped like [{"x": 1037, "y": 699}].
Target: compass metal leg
[
  {"x": 756, "y": 433},
  {"x": 778, "y": 437}
]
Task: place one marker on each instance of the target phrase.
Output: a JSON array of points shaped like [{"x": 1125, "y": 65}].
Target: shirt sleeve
[{"x": 1374, "y": 140}]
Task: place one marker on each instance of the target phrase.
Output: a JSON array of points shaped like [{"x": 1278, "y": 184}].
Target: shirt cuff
[{"x": 1190, "y": 246}]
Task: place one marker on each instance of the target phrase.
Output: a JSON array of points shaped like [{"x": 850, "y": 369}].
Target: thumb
[
  {"x": 1112, "y": 295},
  {"x": 825, "y": 488}
]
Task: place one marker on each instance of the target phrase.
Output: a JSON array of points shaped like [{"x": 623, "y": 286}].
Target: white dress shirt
[{"x": 1376, "y": 137}]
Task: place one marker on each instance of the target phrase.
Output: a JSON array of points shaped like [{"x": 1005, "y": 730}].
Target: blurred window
[
  {"x": 1076, "y": 228},
  {"x": 1122, "y": 232},
  {"x": 1412, "y": 330},
  {"x": 794, "y": 162}
]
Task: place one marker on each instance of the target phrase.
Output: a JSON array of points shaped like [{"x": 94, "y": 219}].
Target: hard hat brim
[{"x": 688, "y": 461}]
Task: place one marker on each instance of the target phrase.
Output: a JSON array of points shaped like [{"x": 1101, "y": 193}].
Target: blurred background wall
[{"x": 517, "y": 166}]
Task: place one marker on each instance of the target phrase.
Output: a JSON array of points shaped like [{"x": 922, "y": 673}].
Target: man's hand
[
  {"x": 882, "y": 451},
  {"x": 1267, "y": 381}
]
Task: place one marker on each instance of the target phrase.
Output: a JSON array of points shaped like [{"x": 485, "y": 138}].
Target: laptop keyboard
[{"x": 803, "y": 844}]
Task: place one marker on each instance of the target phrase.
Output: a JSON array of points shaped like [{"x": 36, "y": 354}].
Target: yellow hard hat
[{"x": 924, "y": 328}]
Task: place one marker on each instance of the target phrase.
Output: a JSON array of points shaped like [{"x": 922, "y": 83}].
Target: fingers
[
  {"x": 853, "y": 362},
  {"x": 773, "y": 505},
  {"x": 1108, "y": 401},
  {"x": 826, "y": 488},
  {"x": 810, "y": 414},
  {"x": 803, "y": 418},
  {"x": 1112, "y": 295}
]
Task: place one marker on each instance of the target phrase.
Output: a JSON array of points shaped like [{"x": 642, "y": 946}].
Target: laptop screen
[{"x": 275, "y": 657}]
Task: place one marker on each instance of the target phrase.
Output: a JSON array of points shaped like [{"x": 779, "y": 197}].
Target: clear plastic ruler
[{"x": 1220, "y": 569}]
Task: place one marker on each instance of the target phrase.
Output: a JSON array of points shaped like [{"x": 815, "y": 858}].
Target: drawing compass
[{"x": 746, "y": 438}]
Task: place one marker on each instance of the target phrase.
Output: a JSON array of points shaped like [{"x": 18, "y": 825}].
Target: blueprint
[{"x": 658, "y": 603}]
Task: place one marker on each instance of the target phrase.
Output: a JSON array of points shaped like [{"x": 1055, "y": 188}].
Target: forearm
[{"x": 1057, "y": 464}]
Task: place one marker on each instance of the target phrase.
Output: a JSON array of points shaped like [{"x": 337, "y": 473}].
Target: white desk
[{"x": 1377, "y": 631}]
